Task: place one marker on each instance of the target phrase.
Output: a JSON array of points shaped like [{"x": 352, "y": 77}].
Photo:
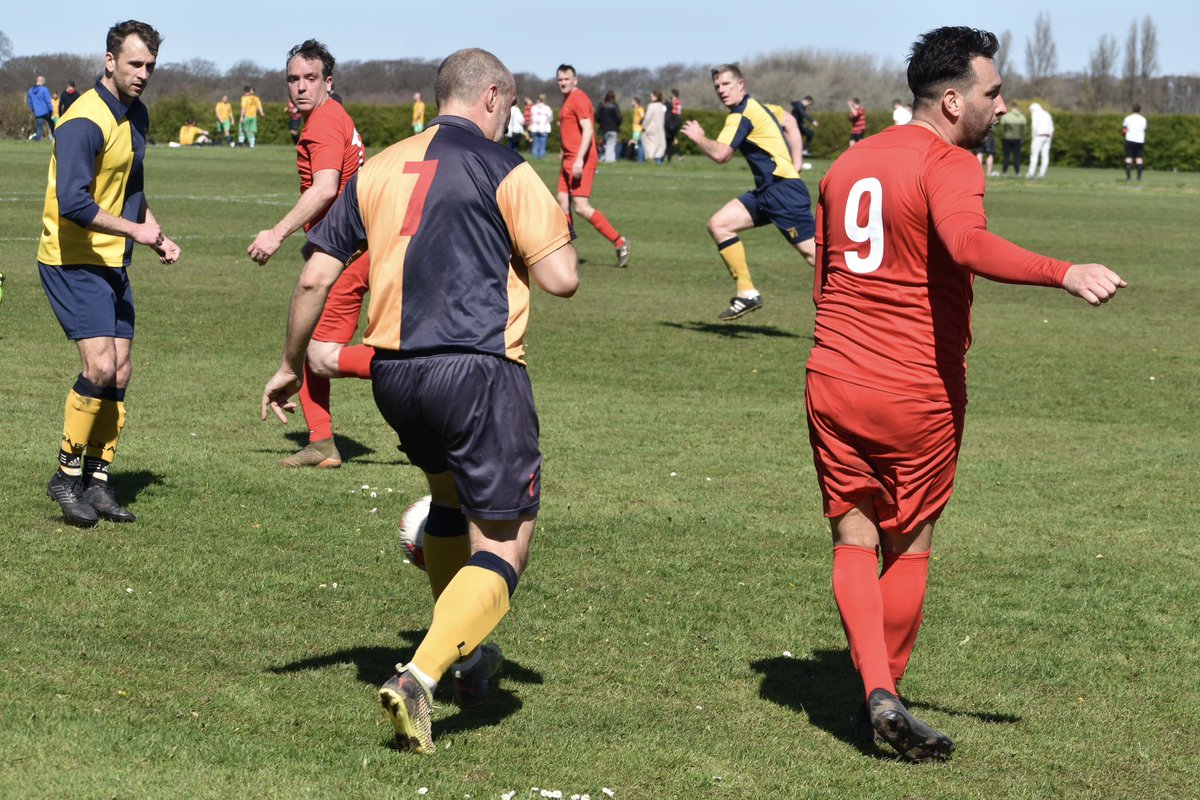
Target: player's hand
[
  {"x": 168, "y": 251},
  {"x": 693, "y": 130},
  {"x": 264, "y": 246},
  {"x": 149, "y": 234},
  {"x": 577, "y": 169},
  {"x": 1094, "y": 283},
  {"x": 278, "y": 392}
]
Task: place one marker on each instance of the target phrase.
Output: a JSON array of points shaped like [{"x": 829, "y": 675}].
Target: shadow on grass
[
  {"x": 350, "y": 449},
  {"x": 375, "y": 665},
  {"x": 732, "y": 330},
  {"x": 827, "y": 688},
  {"x": 128, "y": 485}
]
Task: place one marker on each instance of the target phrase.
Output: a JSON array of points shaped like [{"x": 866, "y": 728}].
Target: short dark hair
[
  {"x": 245, "y": 90},
  {"x": 565, "y": 68},
  {"x": 312, "y": 50},
  {"x": 118, "y": 33},
  {"x": 943, "y": 57},
  {"x": 809, "y": 98},
  {"x": 1137, "y": 107},
  {"x": 720, "y": 69}
]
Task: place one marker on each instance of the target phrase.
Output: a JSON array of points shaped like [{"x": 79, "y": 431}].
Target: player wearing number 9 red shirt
[{"x": 901, "y": 233}]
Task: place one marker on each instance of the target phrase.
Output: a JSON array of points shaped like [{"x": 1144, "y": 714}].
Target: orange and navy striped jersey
[{"x": 451, "y": 219}]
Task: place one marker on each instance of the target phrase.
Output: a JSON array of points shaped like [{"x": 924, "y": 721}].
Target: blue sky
[{"x": 536, "y": 36}]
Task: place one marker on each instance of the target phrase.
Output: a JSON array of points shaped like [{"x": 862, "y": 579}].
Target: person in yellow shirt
[
  {"x": 639, "y": 113},
  {"x": 252, "y": 109},
  {"x": 418, "y": 118},
  {"x": 224, "y": 111},
  {"x": 191, "y": 133}
]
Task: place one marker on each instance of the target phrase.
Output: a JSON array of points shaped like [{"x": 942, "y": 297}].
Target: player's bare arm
[
  {"x": 794, "y": 139},
  {"x": 147, "y": 233},
  {"x": 168, "y": 251},
  {"x": 1095, "y": 283},
  {"x": 320, "y": 272},
  {"x": 587, "y": 133},
  {"x": 311, "y": 204},
  {"x": 718, "y": 152},
  {"x": 557, "y": 273}
]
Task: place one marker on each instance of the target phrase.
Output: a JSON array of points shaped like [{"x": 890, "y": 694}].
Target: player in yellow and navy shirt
[
  {"x": 457, "y": 226},
  {"x": 770, "y": 140},
  {"x": 95, "y": 210}
]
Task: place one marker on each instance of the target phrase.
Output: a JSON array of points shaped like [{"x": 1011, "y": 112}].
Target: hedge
[{"x": 1080, "y": 140}]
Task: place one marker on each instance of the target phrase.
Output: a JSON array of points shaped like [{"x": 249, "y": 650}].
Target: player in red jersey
[
  {"x": 901, "y": 231},
  {"x": 579, "y": 156},
  {"x": 329, "y": 153}
]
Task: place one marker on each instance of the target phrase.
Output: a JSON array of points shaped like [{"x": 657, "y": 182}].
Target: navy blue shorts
[
  {"x": 471, "y": 415},
  {"x": 90, "y": 301},
  {"x": 786, "y": 204}
]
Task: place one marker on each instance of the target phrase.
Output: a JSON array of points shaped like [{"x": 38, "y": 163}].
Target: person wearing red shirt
[
  {"x": 858, "y": 120},
  {"x": 328, "y": 154},
  {"x": 579, "y": 160},
  {"x": 901, "y": 232}
]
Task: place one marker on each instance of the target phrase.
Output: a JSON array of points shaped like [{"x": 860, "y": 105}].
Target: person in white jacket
[{"x": 1042, "y": 127}]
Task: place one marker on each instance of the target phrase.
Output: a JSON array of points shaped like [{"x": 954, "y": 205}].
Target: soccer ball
[{"x": 412, "y": 530}]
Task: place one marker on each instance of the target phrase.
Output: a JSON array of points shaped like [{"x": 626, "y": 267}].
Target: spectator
[
  {"x": 987, "y": 148},
  {"x": 639, "y": 114},
  {"x": 654, "y": 132},
  {"x": 540, "y": 118},
  {"x": 295, "y": 121},
  {"x": 901, "y": 113},
  {"x": 674, "y": 123},
  {"x": 1012, "y": 134},
  {"x": 858, "y": 120},
  {"x": 1043, "y": 133},
  {"x": 1134, "y": 128},
  {"x": 54, "y": 105},
  {"x": 40, "y": 103},
  {"x": 805, "y": 121},
  {"x": 69, "y": 95},
  {"x": 516, "y": 126},
  {"x": 608, "y": 117}
]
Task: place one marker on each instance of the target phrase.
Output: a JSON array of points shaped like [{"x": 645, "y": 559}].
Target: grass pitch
[{"x": 675, "y": 635}]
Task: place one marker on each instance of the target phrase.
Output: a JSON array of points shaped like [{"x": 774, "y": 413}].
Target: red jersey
[
  {"x": 858, "y": 120},
  {"x": 576, "y": 107},
  {"x": 328, "y": 140},
  {"x": 901, "y": 230}
]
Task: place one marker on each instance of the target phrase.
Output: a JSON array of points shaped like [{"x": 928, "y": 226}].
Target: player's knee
[{"x": 582, "y": 207}]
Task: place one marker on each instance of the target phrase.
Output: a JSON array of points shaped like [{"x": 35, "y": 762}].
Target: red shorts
[
  {"x": 576, "y": 188},
  {"x": 339, "y": 320},
  {"x": 901, "y": 451}
]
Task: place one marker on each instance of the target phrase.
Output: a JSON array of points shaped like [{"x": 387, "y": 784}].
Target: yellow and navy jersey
[
  {"x": 251, "y": 106},
  {"x": 96, "y": 164},
  {"x": 754, "y": 129},
  {"x": 451, "y": 219}
]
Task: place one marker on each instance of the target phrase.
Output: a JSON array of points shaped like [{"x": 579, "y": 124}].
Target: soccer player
[
  {"x": 1134, "y": 128},
  {"x": 94, "y": 213},
  {"x": 251, "y": 110},
  {"x": 579, "y": 156},
  {"x": 224, "y": 113},
  {"x": 329, "y": 153},
  {"x": 457, "y": 224},
  {"x": 418, "y": 113},
  {"x": 770, "y": 140},
  {"x": 858, "y": 120},
  {"x": 901, "y": 233}
]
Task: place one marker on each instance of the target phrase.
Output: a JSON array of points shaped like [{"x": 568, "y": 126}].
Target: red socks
[
  {"x": 314, "y": 400},
  {"x": 860, "y": 603},
  {"x": 902, "y": 586},
  {"x": 601, "y": 224},
  {"x": 355, "y": 361}
]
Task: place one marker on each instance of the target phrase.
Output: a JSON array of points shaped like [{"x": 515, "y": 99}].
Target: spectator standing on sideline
[
  {"x": 902, "y": 232},
  {"x": 295, "y": 121},
  {"x": 901, "y": 113},
  {"x": 769, "y": 138},
  {"x": 579, "y": 160},
  {"x": 673, "y": 124},
  {"x": 1134, "y": 128},
  {"x": 1042, "y": 125},
  {"x": 858, "y": 120},
  {"x": 54, "y": 105},
  {"x": 68, "y": 96},
  {"x": 450, "y": 373},
  {"x": 251, "y": 110},
  {"x": 224, "y": 114},
  {"x": 516, "y": 126},
  {"x": 636, "y": 128},
  {"x": 527, "y": 111},
  {"x": 1012, "y": 134},
  {"x": 986, "y": 153},
  {"x": 42, "y": 106},
  {"x": 95, "y": 212},
  {"x": 328, "y": 155},
  {"x": 608, "y": 117},
  {"x": 654, "y": 128},
  {"x": 541, "y": 118},
  {"x": 418, "y": 113},
  {"x": 805, "y": 121}
]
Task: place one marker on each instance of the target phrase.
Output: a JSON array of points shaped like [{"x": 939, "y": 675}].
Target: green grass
[{"x": 204, "y": 652}]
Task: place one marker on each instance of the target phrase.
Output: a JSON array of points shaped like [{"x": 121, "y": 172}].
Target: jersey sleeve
[
  {"x": 956, "y": 210},
  {"x": 77, "y": 142},
  {"x": 342, "y": 232},
  {"x": 536, "y": 224},
  {"x": 736, "y": 129}
]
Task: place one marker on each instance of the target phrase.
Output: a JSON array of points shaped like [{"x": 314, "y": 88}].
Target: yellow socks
[{"x": 733, "y": 253}]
